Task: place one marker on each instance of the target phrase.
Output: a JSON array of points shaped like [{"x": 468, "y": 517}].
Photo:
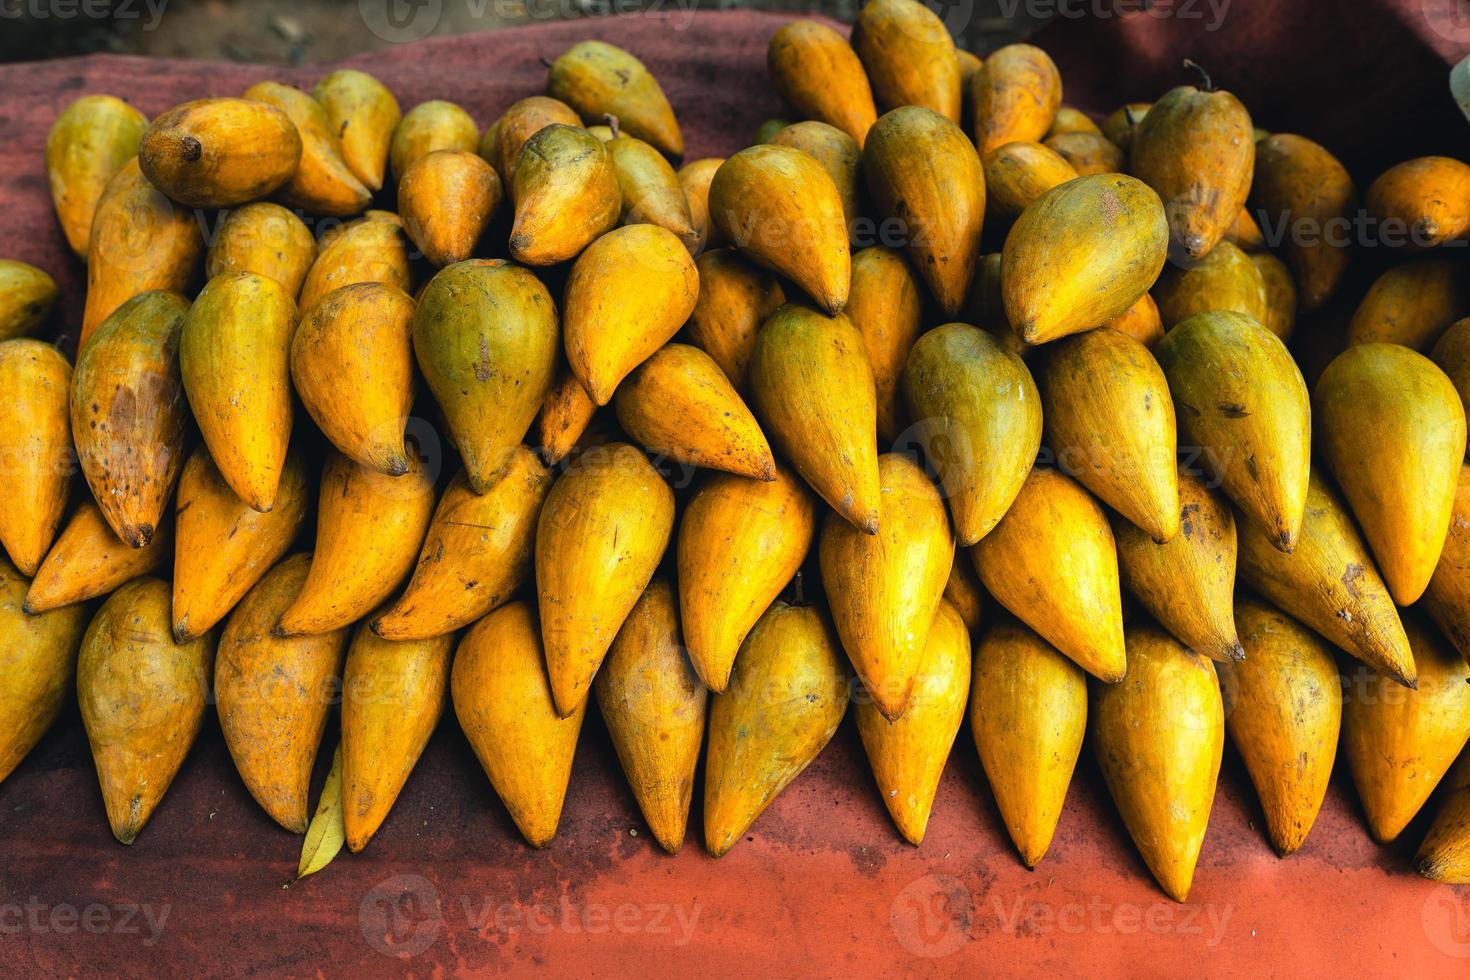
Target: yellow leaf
[{"x": 326, "y": 832}]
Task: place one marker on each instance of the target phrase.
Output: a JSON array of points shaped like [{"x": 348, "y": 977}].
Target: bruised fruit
[
  {"x": 352, "y": 365},
  {"x": 909, "y": 56},
  {"x": 128, "y": 414},
  {"x": 1303, "y": 198},
  {"x": 1188, "y": 582},
  {"x": 363, "y": 113},
  {"x": 886, "y": 305},
  {"x": 1280, "y": 316},
  {"x": 1330, "y": 583},
  {"x": 1110, "y": 422},
  {"x": 1088, "y": 153},
  {"x": 694, "y": 181},
  {"x": 599, "y": 79},
  {"x": 565, "y": 415},
  {"x": 27, "y": 297},
  {"x": 521, "y": 121},
  {"x": 1014, "y": 96},
  {"x": 141, "y": 241},
  {"x": 430, "y": 126},
  {"x": 1018, "y": 173},
  {"x": 369, "y": 250},
  {"x": 266, "y": 239},
  {"x": 1226, "y": 279},
  {"x": 1141, "y": 321},
  {"x": 234, "y": 354},
  {"x": 839, "y": 154},
  {"x": 735, "y": 297},
  {"x": 446, "y": 200},
  {"x": 1411, "y": 304},
  {"x": 323, "y": 183},
  {"x": 1197, "y": 149},
  {"x": 1241, "y": 402},
  {"x": 1426, "y": 199},
  {"x": 1076, "y": 606},
  {"x": 650, "y": 189}
]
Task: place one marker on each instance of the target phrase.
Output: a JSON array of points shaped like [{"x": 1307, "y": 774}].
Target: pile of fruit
[{"x": 1070, "y": 339}]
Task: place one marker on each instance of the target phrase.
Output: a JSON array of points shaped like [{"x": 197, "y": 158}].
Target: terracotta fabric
[
  {"x": 1369, "y": 80},
  {"x": 822, "y": 886}
]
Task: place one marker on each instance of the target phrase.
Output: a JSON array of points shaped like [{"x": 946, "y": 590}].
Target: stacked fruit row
[{"x": 1069, "y": 338}]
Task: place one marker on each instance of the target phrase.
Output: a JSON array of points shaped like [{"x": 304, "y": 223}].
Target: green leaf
[{"x": 326, "y": 833}]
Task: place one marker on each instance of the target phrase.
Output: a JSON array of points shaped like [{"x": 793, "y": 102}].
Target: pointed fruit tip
[
  {"x": 397, "y": 464},
  {"x": 181, "y": 631},
  {"x": 138, "y": 537},
  {"x": 1286, "y": 848},
  {"x": 29, "y": 609},
  {"x": 1235, "y": 651}
]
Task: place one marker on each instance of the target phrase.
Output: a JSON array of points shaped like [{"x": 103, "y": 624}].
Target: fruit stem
[
  {"x": 1209, "y": 85},
  {"x": 612, "y": 123}
]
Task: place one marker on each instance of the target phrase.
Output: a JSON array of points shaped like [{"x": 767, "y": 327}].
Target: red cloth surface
[{"x": 824, "y": 885}]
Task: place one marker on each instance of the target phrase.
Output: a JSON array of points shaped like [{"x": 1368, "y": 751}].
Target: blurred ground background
[{"x": 319, "y": 31}]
